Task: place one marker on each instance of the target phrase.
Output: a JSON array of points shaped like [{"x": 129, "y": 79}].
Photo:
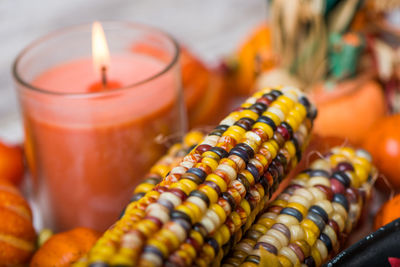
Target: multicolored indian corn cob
[
  {"x": 164, "y": 165},
  {"x": 309, "y": 219},
  {"x": 241, "y": 213},
  {"x": 214, "y": 188}
]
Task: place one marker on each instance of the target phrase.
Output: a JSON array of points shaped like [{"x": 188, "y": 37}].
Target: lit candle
[
  {"x": 101, "y": 59},
  {"x": 89, "y": 140}
]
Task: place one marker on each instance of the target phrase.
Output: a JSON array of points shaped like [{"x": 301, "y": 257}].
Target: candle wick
[{"x": 104, "y": 76}]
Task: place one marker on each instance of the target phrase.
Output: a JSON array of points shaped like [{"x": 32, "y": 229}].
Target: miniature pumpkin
[
  {"x": 65, "y": 248},
  {"x": 17, "y": 236},
  {"x": 383, "y": 142},
  {"x": 254, "y": 57},
  {"x": 204, "y": 91},
  {"x": 204, "y": 88},
  {"x": 389, "y": 212},
  {"x": 349, "y": 108},
  {"x": 11, "y": 163}
]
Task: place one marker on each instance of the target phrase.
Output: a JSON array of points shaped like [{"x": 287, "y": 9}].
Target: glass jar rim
[{"x": 58, "y": 32}]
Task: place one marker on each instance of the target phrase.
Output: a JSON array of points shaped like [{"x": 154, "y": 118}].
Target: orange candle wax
[{"x": 90, "y": 167}]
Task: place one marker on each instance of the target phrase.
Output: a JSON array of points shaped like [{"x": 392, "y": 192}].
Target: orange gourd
[
  {"x": 204, "y": 91},
  {"x": 349, "y": 109},
  {"x": 388, "y": 212},
  {"x": 11, "y": 163},
  {"x": 382, "y": 140},
  {"x": 65, "y": 248},
  {"x": 17, "y": 236},
  {"x": 203, "y": 87},
  {"x": 254, "y": 56}
]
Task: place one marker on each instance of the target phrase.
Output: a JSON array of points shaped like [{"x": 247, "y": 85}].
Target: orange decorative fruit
[
  {"x": 254, "y": 56},
  {"x": 389, "y": 212},
  {"x": 65, "y": 248},
  {"x": 11, "y": 163},
  {"x": 204, "y": 91},
  {"x": 17, "y": 236},
  {"x": 349, "y": 108},
  {"x": 204, "y": 88},
  {"x": 383, "y": 142}
]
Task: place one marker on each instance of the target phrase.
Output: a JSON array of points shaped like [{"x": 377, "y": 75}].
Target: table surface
[{"x": 210, "y": 28}]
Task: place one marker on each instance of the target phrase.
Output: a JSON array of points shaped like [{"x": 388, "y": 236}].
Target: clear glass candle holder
[{"x": 86, "y": 149}]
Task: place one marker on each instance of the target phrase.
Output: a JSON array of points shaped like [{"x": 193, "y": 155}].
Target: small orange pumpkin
[
  {"x": 17, "y": 236},
  {"x": 204, "y": 91},
  {"x": 389, "y": 212},
  {"x": 11, "y": 163},
  {"x": 349, "y": 109},
  {"x": 65, "y": 248},
  {"x": 204, "y": 87},
  {"x": 253, "y": 57},
  {"x": 383, "y": 142}
]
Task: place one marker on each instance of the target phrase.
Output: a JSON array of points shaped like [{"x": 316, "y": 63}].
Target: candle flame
[{"x": 100, "y": 52}]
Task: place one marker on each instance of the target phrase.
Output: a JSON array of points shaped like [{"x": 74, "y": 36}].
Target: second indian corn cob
[{"x": 309, "y": 219}]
